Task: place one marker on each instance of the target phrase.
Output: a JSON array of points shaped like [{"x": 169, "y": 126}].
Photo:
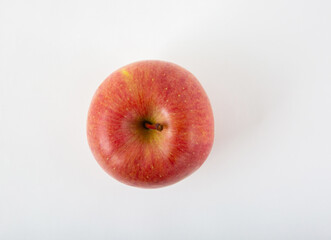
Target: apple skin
[{"x": 155, "y": 92}]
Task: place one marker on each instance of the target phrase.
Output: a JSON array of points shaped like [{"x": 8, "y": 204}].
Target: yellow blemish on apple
[
  {"x": 166, "y": 88},
  {"x": 128, "y": 76},
  {"x": 126, "y": 73},
  {"x": 152, "y": 79},
  {"x": 178, "y": 95}
]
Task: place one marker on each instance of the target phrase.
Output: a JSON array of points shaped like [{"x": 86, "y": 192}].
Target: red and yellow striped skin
[{"x": 154, "y": 92}]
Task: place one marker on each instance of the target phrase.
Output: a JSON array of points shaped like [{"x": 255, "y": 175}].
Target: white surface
[{"x": 266, "y": 68}]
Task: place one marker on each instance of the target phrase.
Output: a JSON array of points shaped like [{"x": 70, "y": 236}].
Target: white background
[{"x": 266, "y": 66}]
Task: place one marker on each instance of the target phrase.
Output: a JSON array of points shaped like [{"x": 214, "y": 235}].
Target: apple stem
[{"x": 156, "y": 126}]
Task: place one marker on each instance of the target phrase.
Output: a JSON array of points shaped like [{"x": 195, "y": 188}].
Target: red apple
[{"x": 150, "y": 124}]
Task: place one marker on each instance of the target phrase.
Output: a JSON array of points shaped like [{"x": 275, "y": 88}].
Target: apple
[{"x": 150, "y": 124}]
